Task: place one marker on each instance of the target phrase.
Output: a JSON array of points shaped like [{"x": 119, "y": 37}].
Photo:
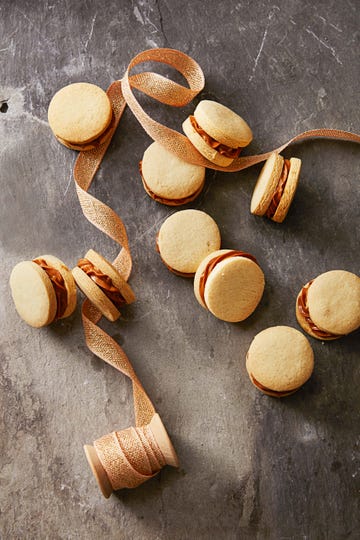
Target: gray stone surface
[{"x": 251, "y": 466}]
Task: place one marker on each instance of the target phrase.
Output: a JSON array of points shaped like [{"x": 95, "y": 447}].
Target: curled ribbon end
[{"x": 98, "y": 470}]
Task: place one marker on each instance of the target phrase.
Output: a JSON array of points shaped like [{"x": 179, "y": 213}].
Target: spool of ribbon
[{"x": 129, "y": 457}]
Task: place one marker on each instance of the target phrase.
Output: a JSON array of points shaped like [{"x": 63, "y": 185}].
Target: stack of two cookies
[
  {"x": 216, "y": 132},
  {"x": 44, "y": 289},
  {"x": 227, "y": 282}
]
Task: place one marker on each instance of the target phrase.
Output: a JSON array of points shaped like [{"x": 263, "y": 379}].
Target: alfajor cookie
[
  {"x": 217, "y": 132},
  {"x": 102, "y": 284},
  {"x": 168, "y": 179},
  {"x": 80, "y": 116},
  {"x": 43, "y": 290},
  {"x": 279, "y": 361},
  {"x": 185, "y": 239},
  {"x": 328, "y": 307},
  {"x": 275, "y": 187},
  {"x": 230, "y": 284}
]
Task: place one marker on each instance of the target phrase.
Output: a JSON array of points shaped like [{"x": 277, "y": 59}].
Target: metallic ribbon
[{"x": 129, "y": 457}]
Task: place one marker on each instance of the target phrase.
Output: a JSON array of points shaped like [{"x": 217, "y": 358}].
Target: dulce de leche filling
[
  {"x": 213, "y": 262},
  {"x": 304, "y": 311},
  {"x": 223, "y": 149},
  {"x": 275, "y": 393},
  {"x": 103, "y": 281},
  {"x": 58, "y": 284},
  {"x": 163, "y": 200},
  {"x": 275, "y": 201}
]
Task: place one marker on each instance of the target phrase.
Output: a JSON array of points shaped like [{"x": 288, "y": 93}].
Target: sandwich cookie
[
  {"x": 185, "y": 239},
  {"x": 102, "y": 284},
  {"x": 43, "y": 290},
  {"x": 275, "y": 187},
  {"x": 81, "y": 117},
  {"x": 217, "y": 132},
  {"x": 328, "y": 307},
  {"x": 168, "y": 179},
  {"x": 279, "y": 361},
  {"x": 230, "y": 284}
]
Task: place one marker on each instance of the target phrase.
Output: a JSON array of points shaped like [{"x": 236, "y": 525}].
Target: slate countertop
[{"x": 252, "y": 467}]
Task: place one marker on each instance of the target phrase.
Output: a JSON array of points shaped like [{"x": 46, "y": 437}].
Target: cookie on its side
[
  {"x": 230, "y": 284},
  {"x": 168, "y": 179},
  {"x": 276, "y": 187},
  {"x": 328, "y": 307},
  {"x": 80, "y": 116},
  {"x": 102, "y": 284},
  {"x": 217, "y": 132},
  {"x": 185, "y": 239},
  {"x": 43, "y": 290},
  {"x": 279, "y": 361}
]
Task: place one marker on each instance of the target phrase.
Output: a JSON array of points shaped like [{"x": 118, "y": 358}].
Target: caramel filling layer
[
  {"x": 304, "y": 311},
  {"x": 95, "y": 143},
  {"x": 275, "y": 393},
  {"x": 163, "y": 200},
  {"x": 177, "y": 272},
  {"x": 275, "y": 201},
  {"x": 213, "y": 262},
  {"x": 103, "y": 281},
  {"x": 223, "y": 149},
  {"x": 58, "y": 284}
]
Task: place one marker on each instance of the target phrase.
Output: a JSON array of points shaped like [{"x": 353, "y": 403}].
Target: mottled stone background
[{"x": 252, "y": 467}]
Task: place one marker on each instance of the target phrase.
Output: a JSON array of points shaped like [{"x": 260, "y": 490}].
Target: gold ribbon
[
  {"x": 165, "y": 91},
  {"x": 128, "y": 457}
]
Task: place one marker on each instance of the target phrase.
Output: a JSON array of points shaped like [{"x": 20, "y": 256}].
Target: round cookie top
[
  {"x": 266, "y": 184},
  {"x": 223, "y": 124},
  {"x": 233, "y": 287},
  {"x": 79, "y": 113},
  {"x": 168, "y": 176},
  {"x": 33, "y": 294},
  {"x": 280, "y": 358},
  {"x": 334, "y": 302},
  {"x": 186, "y": 238}
]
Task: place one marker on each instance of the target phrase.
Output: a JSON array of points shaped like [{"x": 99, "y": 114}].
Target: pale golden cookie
[
  {"x": 79, "y": 115},
  {"x": 107, "y": 268},
  {"x": 279, "y": 361},
  {"x": 328, "y": 307},
  {"x": 43, "y": 291},
  {"x": 275, "y": 188},
  {"x": 266, "y": 184},
  {"x": 185, "y": 239},
  {"x": 217, "y": 132},
  {"x": 201, "y": 146},
  {"x": 102, "y": 284},
  {"x": 230, "y": 284},
  {"x": 168, "y": 179}
]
